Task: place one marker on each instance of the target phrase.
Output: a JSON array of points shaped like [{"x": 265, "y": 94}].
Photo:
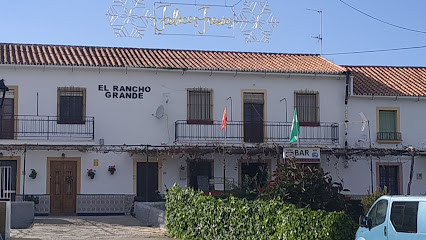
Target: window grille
[
  {"x": 71, "y": 105},
  {"x": 200, "y": 105},
  {"x": 307, "y": 107}
]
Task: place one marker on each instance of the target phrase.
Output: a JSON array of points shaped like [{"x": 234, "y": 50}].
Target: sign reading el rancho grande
[{"x": 124, "y": 92}]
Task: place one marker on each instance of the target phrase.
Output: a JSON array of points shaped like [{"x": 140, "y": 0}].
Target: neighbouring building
[{"x": 390, "y": 149}]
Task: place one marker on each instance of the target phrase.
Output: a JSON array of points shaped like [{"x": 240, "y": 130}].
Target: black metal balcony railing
[
  {"x": 389, "y": 136},
  {"x": 278, "y": 132},
  {"x": 45, "y": 127}
]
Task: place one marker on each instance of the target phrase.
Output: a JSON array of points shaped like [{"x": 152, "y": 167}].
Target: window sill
[
  {"x": 199, "y": 122},
  {"x": 389, "y": 141}
]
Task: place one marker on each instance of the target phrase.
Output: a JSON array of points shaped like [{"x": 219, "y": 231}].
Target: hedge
[{"x": 191, "y": 215}]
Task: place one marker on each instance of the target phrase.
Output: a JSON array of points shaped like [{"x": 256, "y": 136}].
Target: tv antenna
[{"x": 319, "y": 37}]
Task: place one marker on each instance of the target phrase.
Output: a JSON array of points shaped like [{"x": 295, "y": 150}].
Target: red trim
[
  {"x": 309, "y": 124},
  {"x": 199, "y": 122}
]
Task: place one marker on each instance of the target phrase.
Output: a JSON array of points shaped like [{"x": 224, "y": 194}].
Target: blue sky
[{"x": 84, "y": 22}]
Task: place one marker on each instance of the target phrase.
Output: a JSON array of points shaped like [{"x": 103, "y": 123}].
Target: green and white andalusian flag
[{"x": 294, "y": 134}]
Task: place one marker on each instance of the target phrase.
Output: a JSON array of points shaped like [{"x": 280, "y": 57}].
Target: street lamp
[{"x": 3, "y": 90}]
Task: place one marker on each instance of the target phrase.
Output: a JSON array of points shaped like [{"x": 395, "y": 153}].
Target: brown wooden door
[{"x": 63, "y": 187}]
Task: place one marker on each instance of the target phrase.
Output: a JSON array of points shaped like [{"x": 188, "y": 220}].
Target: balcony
[
  {"x": 389, "y": 136},
  {"x": 266, "y": 132},
  {"x": 28, "y": 127}
]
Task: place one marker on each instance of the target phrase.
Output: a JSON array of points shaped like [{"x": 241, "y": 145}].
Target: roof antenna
[{"x": 319, "y": 37}]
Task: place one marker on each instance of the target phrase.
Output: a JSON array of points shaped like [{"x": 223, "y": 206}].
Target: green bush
[
  {"x": 305, "y": 187},
  {"x": 368, "y": 200},
  {"x": 191, "y": 215}
]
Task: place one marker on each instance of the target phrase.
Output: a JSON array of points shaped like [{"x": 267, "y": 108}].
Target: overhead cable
[
  {"x": 373, "y": 51},
  {"x": 388, "y": 23}
]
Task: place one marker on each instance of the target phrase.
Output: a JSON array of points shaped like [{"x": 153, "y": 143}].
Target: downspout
[{"x": 348, "y": 74}]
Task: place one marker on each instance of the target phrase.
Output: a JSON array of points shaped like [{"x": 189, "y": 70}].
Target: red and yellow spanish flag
[{"x": 224, "y": 119}]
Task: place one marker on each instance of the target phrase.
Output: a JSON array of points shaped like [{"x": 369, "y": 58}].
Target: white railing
[{"x": 5, "y": 183}]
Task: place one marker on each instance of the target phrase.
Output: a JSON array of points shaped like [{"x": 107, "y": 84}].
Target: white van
[{"x": 394, "y": 217}]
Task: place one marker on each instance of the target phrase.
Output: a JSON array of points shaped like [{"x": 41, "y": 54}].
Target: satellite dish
[
  {"x": 160, "y": 112},
  {"x": 364, "y": 121}
]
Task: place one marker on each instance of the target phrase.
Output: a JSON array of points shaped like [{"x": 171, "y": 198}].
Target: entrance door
[
  {"x": 147, "y": 181},
  {"x": 6, "y": 176},
  {"x": 389, "y": 177},
  {"x": 199, "y": 175},
  {"x": 253, "y": 117},
  {"x": 7, "y": 126},
  {"x": 258, "y": 170},
  {"x": 63, "y": 187}
]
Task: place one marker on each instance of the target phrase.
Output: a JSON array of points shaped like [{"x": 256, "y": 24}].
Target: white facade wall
[
  {"x": 356, "y": 172},
  {"x": 131, "y": 121}
]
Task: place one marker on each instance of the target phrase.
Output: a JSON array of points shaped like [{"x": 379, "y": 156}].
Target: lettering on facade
[{"x": 124, "y": 91}]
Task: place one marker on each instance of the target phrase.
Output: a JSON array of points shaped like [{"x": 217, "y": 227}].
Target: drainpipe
[
  {"x": 348, "y": 73},
  {"x": 346, "y": 159},
  {"x": 24, "y": 173}
]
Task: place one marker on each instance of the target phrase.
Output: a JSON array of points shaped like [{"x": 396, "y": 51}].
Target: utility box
[{"x": 5, "y": 209}]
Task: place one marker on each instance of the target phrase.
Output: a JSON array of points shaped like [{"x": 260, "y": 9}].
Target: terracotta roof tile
[
  {"x": 37, "y": 54},
  {"x": 384, "y": 80}
]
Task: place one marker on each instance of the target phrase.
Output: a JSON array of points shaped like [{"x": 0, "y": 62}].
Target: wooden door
[
  {"x": 63, "y": 187},
  {"x": 147, "y": 181}
]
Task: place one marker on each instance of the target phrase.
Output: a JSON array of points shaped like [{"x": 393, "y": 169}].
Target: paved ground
[{"x": 108, "y": 227}]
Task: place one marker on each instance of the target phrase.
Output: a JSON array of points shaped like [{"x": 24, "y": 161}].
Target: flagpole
[
  {"x": 224, "y": 119},
  {"x": 224, "y": 165}
]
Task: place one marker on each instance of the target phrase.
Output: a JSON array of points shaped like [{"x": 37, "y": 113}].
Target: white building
[
  {"x": 392, "y": 100},
  {"x": 71, "y": 109}
]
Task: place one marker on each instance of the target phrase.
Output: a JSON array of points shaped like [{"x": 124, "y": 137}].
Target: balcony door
[
  {"x": 253, "y": 117},
  {"x": 7, "y": 123}
]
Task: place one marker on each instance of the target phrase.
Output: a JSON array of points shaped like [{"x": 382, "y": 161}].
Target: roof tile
[
  {"x": 36, "y": 54},
  {"x": 385, "y": 80}
]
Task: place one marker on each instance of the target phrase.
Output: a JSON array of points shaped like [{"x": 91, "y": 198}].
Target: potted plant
[
  {"x": 112, "y": 169},
  {"x": 91, "y": 173},
  {"x": 33, "y": 173}
]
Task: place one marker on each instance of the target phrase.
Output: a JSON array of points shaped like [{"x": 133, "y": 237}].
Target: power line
[
  {"x": 373, "y": 51},
  {"x": 388, "y": 23}
]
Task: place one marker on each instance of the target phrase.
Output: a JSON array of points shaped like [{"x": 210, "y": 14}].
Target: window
[
  {"x": 389, "y": 177},
  {"x": 387, "y": 126},
  {"x": 378, "y": 213},
  {"x": 71, "y": 105},
  {"x": 200, "y": 105},
  {"x": 306, "y": 103},
  {"x": 404, "y": 216}
]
